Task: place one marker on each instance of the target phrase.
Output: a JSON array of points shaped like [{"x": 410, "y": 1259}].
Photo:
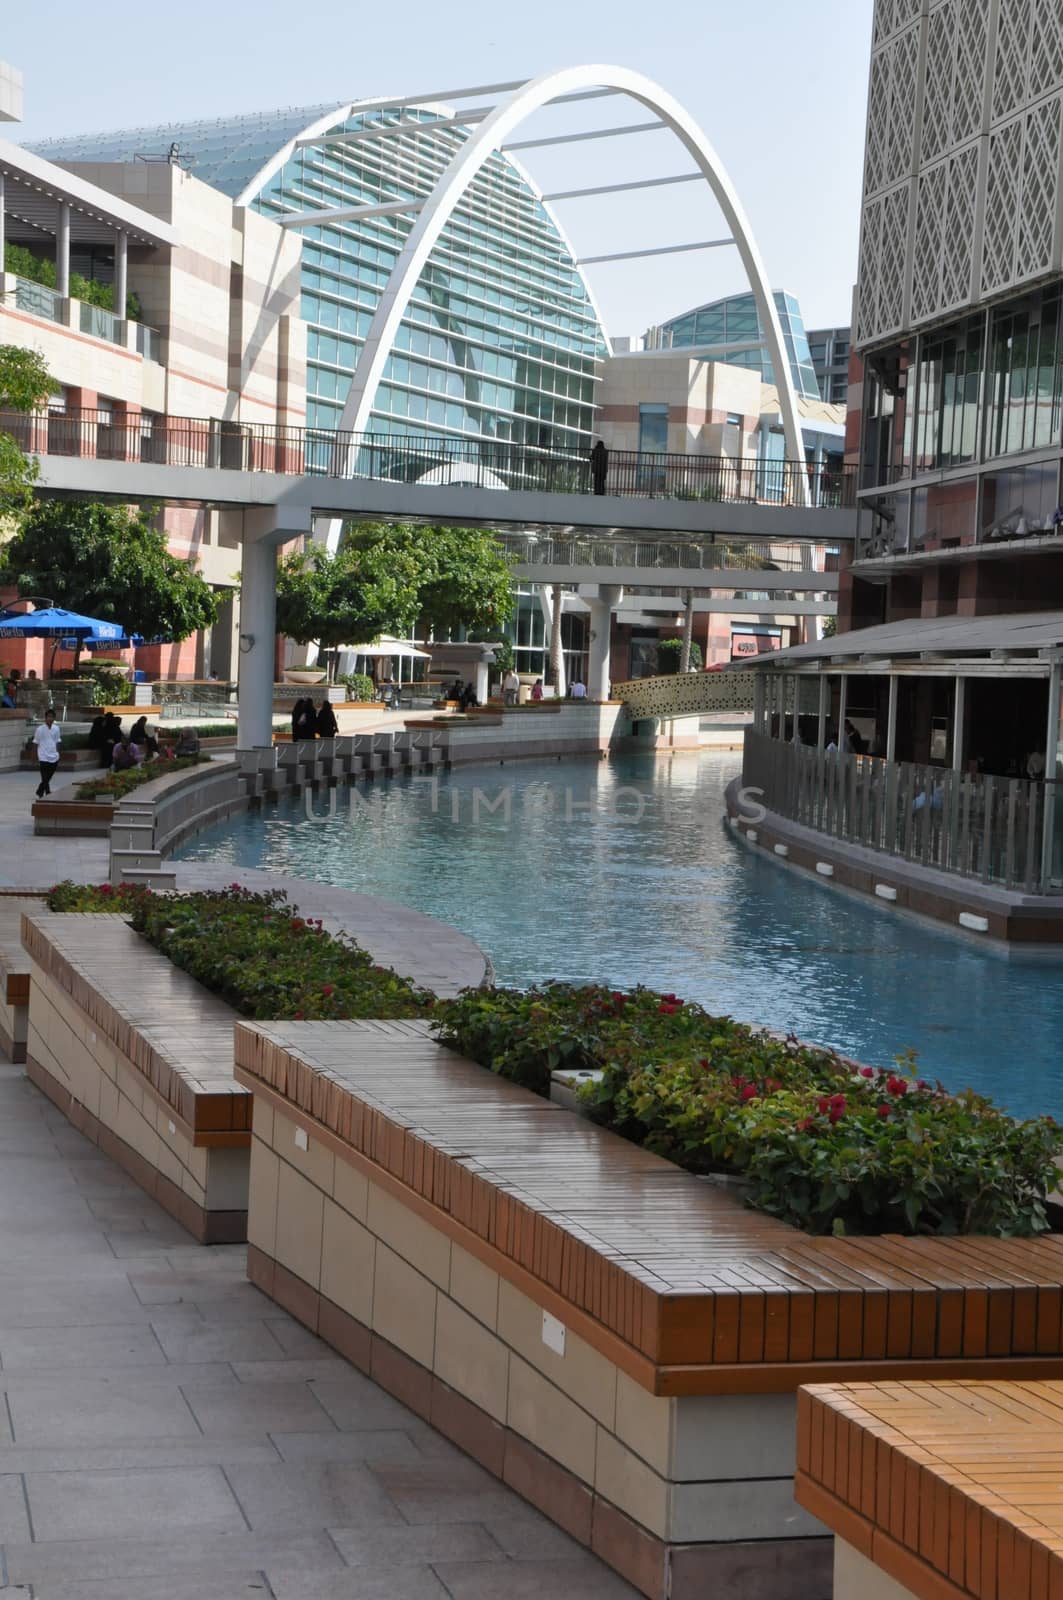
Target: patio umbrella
[{"x": 52, "y": 622}]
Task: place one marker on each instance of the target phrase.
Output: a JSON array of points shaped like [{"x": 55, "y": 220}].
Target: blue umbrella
[{"x": 53, "y": 622}]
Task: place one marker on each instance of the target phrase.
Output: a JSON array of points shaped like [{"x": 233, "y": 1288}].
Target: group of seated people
[
  {"x": 119, "y": 750},
  {"x": 9, "y": 697},
  {"x": 313, "y": 722}
]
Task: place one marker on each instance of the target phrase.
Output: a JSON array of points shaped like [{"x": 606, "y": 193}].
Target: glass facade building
[
  {"x": 734, "y": 321},
  {"x": 500, "y": 338}
]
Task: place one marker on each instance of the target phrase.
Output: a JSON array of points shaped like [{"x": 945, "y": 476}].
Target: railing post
[
  {"x": 758, "y": 701},
  {"x": 1052, "y": 753},
  {"x": 891, "y": 720},
  {"x": 824, "y": 699}
]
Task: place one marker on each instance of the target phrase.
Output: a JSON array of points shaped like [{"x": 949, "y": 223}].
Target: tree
[
  {"x": 25, "y": 384},
  {"x": 670, "y": 653},
  {"x": 349, "y": 598},
  {"x": 465, "y": 580},
  {"x": 108, "y": 562}
]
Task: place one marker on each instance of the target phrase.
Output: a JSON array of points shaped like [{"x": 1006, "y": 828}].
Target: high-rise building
[
  {"x": 948, "y": 662},
  {"x": 729, "y": 330},
  {"x": 830, "y": 349},
  {"x": 501, "y": 336}
]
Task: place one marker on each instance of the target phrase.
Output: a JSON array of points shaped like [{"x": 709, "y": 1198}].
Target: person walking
[
  {"x": 599, "y": 467},
  {"x": 511, "y": 688},
  {"x": 327, "y": 726},
  {"x": 47, "y": 740}
]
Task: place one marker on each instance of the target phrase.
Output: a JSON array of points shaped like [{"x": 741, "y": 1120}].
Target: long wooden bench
[
  {"x": 937, "y": 1491},
  {"x": 139, "y": 1057},
  {"x": 620, "y": 1340},
  {"x": 14, "y": 974}
]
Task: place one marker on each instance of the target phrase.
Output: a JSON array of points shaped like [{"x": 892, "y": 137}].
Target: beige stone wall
[
  {"x": 857, "y": 1578},
  {"x": 687, "y": 1470},
  {"x": 63, "y": 1043}
]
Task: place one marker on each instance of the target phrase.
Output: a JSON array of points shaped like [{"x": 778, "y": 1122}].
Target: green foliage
[
  {"x": 109, "y": 562},
  {"x": 670, "y": 653},
  {"x": 41, "y": 269},
  {"x": 25, "y": 384},
  {"x": 116, "y": 784},
  {"x": 110, "y": 682},
  {"x": 258, "y": 953},
  {"x": 359, "y": 685},
  {"x": 829, "y": 627},
  {"x": 825, "y": 1145},
  {"x": 386, "y": 577}
]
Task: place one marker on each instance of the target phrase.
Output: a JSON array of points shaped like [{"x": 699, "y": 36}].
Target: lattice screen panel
[
  {"x": 1001, "y": 205},
  {"x": 1046, "y": 47},
  {"x": 1037, "y": 206},
  {"x": 957, "y": 258},
  {"x": 1011, "y": 69},
  {"x": 929, "y": 222}
]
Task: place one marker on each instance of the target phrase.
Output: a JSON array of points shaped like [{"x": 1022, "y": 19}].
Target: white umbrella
[{"x": 389, "y": 647}]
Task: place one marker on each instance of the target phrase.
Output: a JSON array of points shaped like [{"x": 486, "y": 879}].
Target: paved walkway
[{"x": 166, "y": 1430}]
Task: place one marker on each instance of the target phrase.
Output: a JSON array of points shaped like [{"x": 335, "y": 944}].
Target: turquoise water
[{"x": 623, "y": 871}]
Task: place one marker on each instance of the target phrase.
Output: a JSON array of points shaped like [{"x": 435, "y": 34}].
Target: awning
[
  {"x": 389, "y": 647},
  {"x": 1030, "y": 634}
]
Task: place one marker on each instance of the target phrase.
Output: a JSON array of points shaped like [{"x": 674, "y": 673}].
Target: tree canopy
[
  {"x": 387, "y": 577},
  {"x": 25, "y": 384},
  {"x": 109, "y": 562}
]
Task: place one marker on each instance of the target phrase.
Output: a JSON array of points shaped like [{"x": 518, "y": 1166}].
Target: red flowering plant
[{"x": 116, "y": 898}]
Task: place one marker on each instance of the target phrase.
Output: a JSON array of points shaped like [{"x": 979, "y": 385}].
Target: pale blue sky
[{"x": 779, "y": 87}]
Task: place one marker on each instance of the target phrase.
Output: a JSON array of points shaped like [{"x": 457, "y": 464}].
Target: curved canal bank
[{"x": 624, "y": 871}]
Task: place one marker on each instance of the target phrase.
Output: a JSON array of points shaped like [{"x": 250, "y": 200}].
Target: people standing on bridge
[{"x": 599, "y": 467}]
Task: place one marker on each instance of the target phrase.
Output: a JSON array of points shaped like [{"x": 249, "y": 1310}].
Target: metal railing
[
  {"x": 693, "y": 555},
  {"x": 100, "y": 323},
  {"x": 320, "y": 452},
  {"x": 974, "y": 825},
  {"x": 149, "y": 342}
]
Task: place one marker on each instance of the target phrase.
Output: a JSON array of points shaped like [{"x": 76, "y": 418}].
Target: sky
[{"x": 778, "y": 87}]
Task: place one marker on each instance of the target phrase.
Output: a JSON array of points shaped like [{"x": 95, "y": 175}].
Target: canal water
[{"x": 623, "y": 871}]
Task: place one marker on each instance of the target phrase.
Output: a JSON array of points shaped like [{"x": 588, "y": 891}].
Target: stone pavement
[{"x": 166, "y": 1431}]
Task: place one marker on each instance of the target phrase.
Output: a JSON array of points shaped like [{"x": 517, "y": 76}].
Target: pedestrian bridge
[
  {"x": 311, "y": 473},
  {"x": 686, "y": 694}
]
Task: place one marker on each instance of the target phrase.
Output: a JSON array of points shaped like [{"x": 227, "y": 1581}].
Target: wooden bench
[
  {"x": 618, "y": 1339},
  {"x": 937, "y": 1491},
  {"x": 14, "y": 974},
  {"x": 139, "y": 1057}
]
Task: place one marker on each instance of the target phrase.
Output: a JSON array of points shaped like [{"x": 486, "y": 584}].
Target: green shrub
[
  {"x": 111, "y": 685},
  {"x": 670, "y": 653},
  {"x": 825, "y": 1145},
  {"x": 71, "y": 896},
  {"x": 117, "y": 784},
  {"x": 359, "y": 685}
]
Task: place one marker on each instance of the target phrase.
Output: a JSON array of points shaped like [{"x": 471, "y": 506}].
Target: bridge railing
[
  {"x": 532, "y": 550},
  {"x": 126, "y": 435},
  {"x": 973, "y": 824}
]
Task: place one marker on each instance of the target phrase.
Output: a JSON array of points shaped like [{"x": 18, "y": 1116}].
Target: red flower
[
  {"x": 668, "y": 1008},
  {"x": 837, "y": 1107},
  {"x": 296, "y": 924},
  {"x": 922, "y": 1084},
  {"x": 824, "y": 1102},
  {"x": 885, "y": 1111},
  {"x": 804, "y": 1125},
  {"x": 867, "y": 1072},
  {"x": 749, "y": 1092},
  {"x": 328, "y": 988},
  {"x": 298, "y": 1016},
  {"x": 672, "y": 1000},
  {"x": 895, "y": 1085},
  {"x": 772, "y": 1086}
]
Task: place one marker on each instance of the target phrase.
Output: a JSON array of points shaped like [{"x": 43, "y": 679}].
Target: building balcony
[{"x": 37, "y": 300}]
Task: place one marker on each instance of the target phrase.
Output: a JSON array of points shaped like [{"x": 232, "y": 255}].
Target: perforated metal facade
[{"x": 962, "y": 194}]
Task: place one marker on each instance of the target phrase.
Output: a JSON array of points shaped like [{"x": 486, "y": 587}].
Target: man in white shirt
[
  {"x": 511, "y": 688},
  {"x": 578, "y": 689},
  {"x": 47, "y": 739}
]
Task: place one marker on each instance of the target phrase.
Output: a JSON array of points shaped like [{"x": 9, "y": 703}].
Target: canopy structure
[
  {"x": 389, "y": 647},
  {"x": 53, "y": 622}
]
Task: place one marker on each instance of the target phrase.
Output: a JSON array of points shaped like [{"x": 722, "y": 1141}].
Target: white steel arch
[{"x": 464, "y": 167}]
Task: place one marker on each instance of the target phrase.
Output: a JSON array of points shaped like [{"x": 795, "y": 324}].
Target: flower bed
[
  {"x": 113, "y": 785},
  {"x": 825, "y": 1145},
  {"x": 256, "y": 952}
]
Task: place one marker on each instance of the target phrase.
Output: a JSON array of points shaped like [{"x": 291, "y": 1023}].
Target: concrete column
[
  {"x": 121, "y": 261},
  {"x": 959, "y": 717},
  {"x": 258, "y": 629},
  {"x": 891, "y": 721},
  {"x": 62, "y": 252},
  {"x": 1053, "y": 798},
  {"x": 598, "y": 678},
  {"x": 557, "y": 658},
  {"x": 688, "y": 632},
  {"x": 824, "y": 706}
]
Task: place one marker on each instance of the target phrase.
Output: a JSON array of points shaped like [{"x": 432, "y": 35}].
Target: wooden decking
[
  {"x": 955, "y": 1489},
  {"x": 177, "y": 1036},
  {"x": 703, "y": 1294}
]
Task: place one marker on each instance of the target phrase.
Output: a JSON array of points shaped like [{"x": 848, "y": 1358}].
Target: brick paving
[{"x": 166, "y": 1429}]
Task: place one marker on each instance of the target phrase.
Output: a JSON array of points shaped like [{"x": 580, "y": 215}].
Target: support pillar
[
  {"x": 1052, "y": 776},
  {"x": 891, "y": 721},
  {"x": 121, "y": 273},
  {"x": 959, "y": 718},
  {"x": 843, "y": 709},
  {"x": 258, "y": 624},
  {"x": 824, "y": 706},
  {"x": 62, "y": 252},
  {"x": 557, "y": 657},
  {"x": 599, "y": 682},
  {"x": 688, "y": 632}
]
